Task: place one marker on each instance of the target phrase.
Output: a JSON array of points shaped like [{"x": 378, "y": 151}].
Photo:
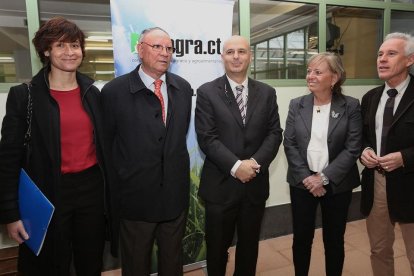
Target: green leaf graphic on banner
[{"x": 134, "y": 40}]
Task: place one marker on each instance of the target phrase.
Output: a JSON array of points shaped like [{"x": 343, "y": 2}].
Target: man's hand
[
  {"x": 313, "y": 183},
  {"x": 247, "y": 170},
  {"x": 369, "y": 159},
  {"x": 319, "y": 192},
  {"x": 391, "y": 161},
  {"x": 17, "y": 232}
]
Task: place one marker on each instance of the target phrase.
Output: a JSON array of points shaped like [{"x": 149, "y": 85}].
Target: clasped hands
[
  {"x": 314, "y": 184},
  {"x": 386, "y": 163},
  {"x": 247, "y": 170}
]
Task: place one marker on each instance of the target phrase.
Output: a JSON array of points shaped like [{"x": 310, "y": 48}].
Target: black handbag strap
[{"x": 28, "y": 134}]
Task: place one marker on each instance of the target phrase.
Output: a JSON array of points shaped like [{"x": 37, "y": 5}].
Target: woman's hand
[{"x": 17, "y": 232}]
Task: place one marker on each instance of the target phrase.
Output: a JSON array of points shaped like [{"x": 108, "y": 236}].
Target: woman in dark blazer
[
  {"x": 322, "y": 142},
  {"x": 65, "y": 159}
]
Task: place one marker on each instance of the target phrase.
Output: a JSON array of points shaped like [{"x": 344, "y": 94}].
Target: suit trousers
[
  {"x": 334, "y": 209},
  {"x": 80, "y": 218},
  {"x": 381, "y": 234},
  {"x": 83, "y": 220},
  {"x": 221, "y": 222},
  {"x": 137, "y": 242}
]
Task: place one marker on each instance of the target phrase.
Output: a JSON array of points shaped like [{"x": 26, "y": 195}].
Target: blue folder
[{"x": 36, "y": 211}]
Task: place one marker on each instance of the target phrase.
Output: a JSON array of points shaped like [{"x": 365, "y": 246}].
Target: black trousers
[
  {"x": 137, "y": 241},
  {"x": 334, "y": 216},
  {"x": 221, "y": 222},
  {"x": 77, "y": 230}
]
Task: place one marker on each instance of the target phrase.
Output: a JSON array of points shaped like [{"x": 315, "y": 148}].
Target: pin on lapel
[{"x": 334, "y": 115}]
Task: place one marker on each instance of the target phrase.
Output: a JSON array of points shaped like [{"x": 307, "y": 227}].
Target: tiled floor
[{"x": 275, "y": 256}]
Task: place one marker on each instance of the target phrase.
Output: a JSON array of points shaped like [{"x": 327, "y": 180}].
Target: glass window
[
  {"x": 15, "y": 65},
  {"x": 403, "y": 22},
  {"x": 236, "y": 18},
  {"x": 356, "y": 34},
  {"x": 280, "y": 38},
  {"x": 94, "y": 18}
]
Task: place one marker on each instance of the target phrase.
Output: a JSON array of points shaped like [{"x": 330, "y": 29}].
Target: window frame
[{"x": 387, "y": 6}]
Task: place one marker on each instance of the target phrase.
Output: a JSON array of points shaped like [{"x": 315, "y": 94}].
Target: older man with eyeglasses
[{"x": 147, "y": 118}]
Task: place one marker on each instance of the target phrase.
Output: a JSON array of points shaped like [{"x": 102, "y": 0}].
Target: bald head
[
  {"x": 236, "y": 58},
  {"x": 236, "y": 39}
]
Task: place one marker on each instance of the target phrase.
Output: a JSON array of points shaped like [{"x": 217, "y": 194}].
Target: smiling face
[
  {"x": 155, "y": 63},
  {"x": 236, "y": 57},
  {"x": 319, "y": 78},
  {"x": 392, "y": 62},
  {"x": 65, "y": 56}
]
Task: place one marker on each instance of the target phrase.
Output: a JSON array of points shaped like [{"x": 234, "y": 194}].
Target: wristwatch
[{"x": 325, "y": 180}]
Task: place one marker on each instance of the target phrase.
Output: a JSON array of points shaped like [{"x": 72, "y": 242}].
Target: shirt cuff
[
  {"x": 258, "y": 170},
  {"x": 234, "y": 168},
  {"x": 369, "y": 148}
]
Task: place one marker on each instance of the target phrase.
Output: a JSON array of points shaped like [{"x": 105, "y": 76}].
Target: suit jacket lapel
[
  {"x": 226, "y": 94},
  {"x": 336, "y": 113},
  {"x": 252, "y": 99},
  {"x": 406, "y": 101},
  {"x": 171, "y": 92},
  {"x": 306, "y": 110}
]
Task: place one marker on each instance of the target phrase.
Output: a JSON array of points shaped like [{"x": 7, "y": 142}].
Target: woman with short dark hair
[{"x": 65, "y": 158}]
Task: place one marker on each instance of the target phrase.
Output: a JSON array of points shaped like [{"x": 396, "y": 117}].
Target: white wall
[{"x": 279, "y": 189}]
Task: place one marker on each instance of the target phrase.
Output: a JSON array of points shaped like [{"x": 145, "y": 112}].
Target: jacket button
[
  {"x": 157, "y": 115},
  {"x": 160, "y": 139}
]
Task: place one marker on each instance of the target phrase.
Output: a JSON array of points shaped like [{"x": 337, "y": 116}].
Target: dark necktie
[
  {"x": 387, "y": 119},
  {"x": 239, "y": 100}
]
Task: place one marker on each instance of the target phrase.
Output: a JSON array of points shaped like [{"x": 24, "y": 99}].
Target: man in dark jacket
[
  {"x": 388, "y": 154},
  {"x": 147, "y": 117},
  {"x": 238, "y": 128}
]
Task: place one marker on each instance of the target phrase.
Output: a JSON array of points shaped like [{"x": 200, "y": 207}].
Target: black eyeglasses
[{"x": 160, "y": 48}]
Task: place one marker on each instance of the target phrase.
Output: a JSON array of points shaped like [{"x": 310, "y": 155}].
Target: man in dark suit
[
  {"x": 238, "y": 128},
  {"x": 147, "y": 122},
  {"x": 388, "y": 154}
]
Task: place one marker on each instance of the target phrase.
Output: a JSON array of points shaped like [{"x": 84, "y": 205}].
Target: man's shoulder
[
  {"x": 211, "y": 83},
  {"x": 260, "y": 85},
  {"x": 373, "y": 91},
  {"x": 117, "y": 82},
  {"x": 176, "y": 78}
]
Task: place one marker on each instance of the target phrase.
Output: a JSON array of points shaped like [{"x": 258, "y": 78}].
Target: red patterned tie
[{"x": 157, "y": 93}]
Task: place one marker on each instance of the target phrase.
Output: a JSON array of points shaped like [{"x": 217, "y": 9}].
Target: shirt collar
[
  {"x": 148, "y": 80},
  {"x": 400, "y": 88},
  {"x": 233, "y": 84}
]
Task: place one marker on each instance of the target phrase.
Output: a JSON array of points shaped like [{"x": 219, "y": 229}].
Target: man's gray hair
[
  {"x": 409, "y": 39},
  {"x": 148, "y": 30}
]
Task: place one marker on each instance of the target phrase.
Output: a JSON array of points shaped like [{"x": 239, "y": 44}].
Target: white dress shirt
[
  {"x": 245, "y": 95},
  {"x": 317, "y": 152}
]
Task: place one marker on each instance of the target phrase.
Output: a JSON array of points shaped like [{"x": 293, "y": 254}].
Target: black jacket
[
  {"x": 149, "y": 168},
  {"x": 44, "y": 161},
  {"x": 400, "y": 182},
  {"x": 224, "y": 139}
]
